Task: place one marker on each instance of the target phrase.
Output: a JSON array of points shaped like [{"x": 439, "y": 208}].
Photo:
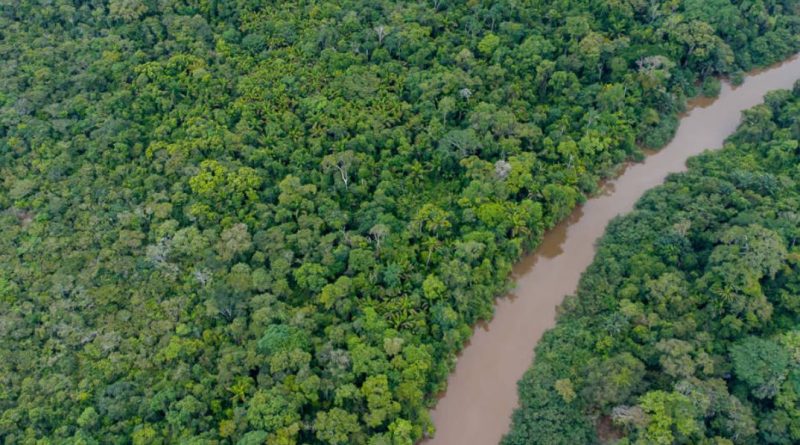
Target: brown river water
[{"x": 482, "y": 390}]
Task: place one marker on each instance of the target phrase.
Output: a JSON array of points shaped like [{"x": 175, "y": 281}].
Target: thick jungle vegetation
[
  {"x": 275, "y": 221},
  {"x": 686, "y": 328}
]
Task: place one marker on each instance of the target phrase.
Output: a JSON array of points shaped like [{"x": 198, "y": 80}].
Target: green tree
[
  {"x": 762, "y": 364},
  {"x": 336, "y": 426}
]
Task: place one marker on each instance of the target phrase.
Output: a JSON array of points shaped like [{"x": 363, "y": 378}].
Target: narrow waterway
[{"x": 481, "y": 392}]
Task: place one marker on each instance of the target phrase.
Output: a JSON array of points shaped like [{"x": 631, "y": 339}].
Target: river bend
[{"x": 481, "y": 392}]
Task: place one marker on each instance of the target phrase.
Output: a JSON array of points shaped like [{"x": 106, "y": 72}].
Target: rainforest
[{"x": 262, "y": 222}]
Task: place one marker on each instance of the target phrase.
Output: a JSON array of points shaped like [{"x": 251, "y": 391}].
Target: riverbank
[{"x": 481, "y": 392}]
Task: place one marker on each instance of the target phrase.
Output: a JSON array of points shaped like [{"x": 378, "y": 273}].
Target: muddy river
[{"x": 481, "y": 392}]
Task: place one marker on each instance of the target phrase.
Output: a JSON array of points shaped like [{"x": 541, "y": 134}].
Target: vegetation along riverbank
[{"x": 686, "y": 327}]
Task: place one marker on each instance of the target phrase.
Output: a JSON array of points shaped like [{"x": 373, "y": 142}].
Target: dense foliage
[
  {"x": 275, "y": 221},
  {"x": 686, "y": 328}
]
